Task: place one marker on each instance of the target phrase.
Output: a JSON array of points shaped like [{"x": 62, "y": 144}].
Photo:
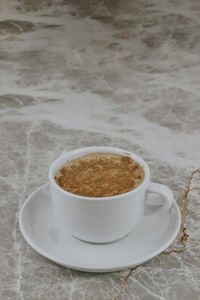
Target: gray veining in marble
[{"x": 80, "y": 73}]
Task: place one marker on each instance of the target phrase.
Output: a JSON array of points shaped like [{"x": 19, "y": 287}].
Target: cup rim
[{"x": 120, "y": 151}]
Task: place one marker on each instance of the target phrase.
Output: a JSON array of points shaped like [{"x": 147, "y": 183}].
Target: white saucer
[{"x": 149, "y": 238}]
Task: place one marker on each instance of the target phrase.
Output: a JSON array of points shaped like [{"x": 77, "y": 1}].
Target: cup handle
[{"x": 167, "y": 198}]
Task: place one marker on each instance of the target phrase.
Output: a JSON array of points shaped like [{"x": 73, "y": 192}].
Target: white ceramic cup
[{"x": 104, "y": 219}]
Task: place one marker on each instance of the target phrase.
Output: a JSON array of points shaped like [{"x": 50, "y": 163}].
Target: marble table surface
[{"x": 81, "y": 73}]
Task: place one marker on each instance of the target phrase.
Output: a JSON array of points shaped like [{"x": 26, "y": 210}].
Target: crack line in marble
[
  {"x": 182, "y": 240},
  {"x": 17, "y": 243}
]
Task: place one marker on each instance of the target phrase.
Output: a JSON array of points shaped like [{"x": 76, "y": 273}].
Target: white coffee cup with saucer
[{"x": 155, "y": 230}]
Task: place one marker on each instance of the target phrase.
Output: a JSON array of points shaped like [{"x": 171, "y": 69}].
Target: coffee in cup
[
  {"x": 101, "y": 218},
  {"x": 100, "y": 175}
]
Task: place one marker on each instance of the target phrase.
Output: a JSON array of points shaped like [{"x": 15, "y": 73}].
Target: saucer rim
[{"x": 93, "y": 269}]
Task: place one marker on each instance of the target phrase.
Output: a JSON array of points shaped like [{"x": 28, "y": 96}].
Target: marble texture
[{"x": 115, "y": 73}]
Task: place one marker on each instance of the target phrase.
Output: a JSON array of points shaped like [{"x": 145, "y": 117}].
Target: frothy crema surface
[{"x": 100, "y": 175}]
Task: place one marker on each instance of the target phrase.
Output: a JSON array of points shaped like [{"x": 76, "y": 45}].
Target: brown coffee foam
[{"x": 100, "y": 175}]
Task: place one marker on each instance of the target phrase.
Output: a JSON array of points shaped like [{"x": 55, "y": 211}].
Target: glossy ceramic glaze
[
  {"x": 103, "y": 219},
  {"x": 150, "y": 237}
]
